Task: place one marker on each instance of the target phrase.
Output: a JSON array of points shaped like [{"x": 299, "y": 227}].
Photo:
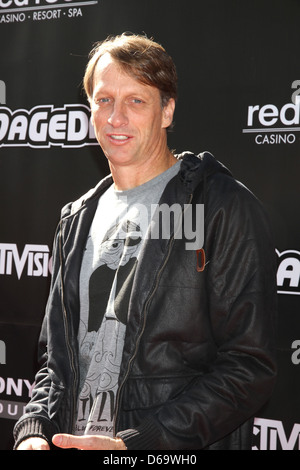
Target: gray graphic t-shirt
[{"x": 107, "y": 272}]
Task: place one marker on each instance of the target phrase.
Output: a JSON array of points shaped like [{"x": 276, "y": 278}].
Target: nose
[{"x": 118, "y": 116}]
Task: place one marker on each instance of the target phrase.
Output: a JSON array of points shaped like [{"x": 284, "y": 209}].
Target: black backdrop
[{"x": 239, "y": 78}]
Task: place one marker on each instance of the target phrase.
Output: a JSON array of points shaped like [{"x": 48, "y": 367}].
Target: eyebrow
[{"x": 106, "y": 89}]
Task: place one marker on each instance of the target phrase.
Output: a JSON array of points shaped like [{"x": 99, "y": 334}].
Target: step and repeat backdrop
[{"x": 239, "y": 98}]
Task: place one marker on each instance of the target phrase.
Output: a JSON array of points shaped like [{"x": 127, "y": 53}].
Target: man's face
[{"x": 127, "y": 116}]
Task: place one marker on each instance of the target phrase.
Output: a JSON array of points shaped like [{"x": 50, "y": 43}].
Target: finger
[
  {"x": 67, "y": 441},
  {"x": 34, "y": 443}
]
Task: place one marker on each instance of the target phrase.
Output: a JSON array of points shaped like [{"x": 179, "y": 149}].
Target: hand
[
  {"x": 34, "y": 443},
  {"x": 68, "y": 441}
]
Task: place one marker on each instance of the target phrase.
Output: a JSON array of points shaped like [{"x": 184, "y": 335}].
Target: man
[{"x": 150, "y": 341}]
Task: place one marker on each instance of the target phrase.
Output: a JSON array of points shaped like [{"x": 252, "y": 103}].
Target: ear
[{"x": 168, "y": 113}]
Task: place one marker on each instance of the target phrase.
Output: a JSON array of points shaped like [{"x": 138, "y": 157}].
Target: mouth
[{"x": 119, "y": 139}]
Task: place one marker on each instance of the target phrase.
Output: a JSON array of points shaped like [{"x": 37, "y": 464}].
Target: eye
[
  {"x": 102, "y": 101},
  {"x": 135, "y": 101}
]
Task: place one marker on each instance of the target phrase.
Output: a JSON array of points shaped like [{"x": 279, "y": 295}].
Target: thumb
[{"x": 66, "y": 441}]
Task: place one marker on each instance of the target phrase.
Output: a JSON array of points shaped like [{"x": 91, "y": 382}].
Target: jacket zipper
[
  {"x": 71, "y": 355},
  {"x": 145, "y": 311},
  {"x": 140, "y": 335}
]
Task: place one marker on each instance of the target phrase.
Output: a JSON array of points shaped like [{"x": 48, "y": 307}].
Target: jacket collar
[{"x": 194, "y": 170}]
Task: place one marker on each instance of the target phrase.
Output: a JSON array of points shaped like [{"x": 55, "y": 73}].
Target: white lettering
[
  {"x": 272, "y": 433},
  {"x": 13, "y": 18},
  {"x": 38, "y": 127},
  {"x": 288, "y": 272},
  {"x": 2, "y": 352},
  {"x": 189, "y": 221},
  {"x": 251, "y": 110},
  {"x": 36, "y": 256},
  {"x": 78, "y": 126},
  {"x": 2, "y": 92},
  {"x": 16, "y": 387},
  {"x": 5, "y": 4},
  {"x": 57, "y": 127},
  {"x": 198, "y": 221},
  {"x": 18, "y": 128},
  {"x": 46, "y": 15},
  {"x": 29, "y": 386},
  {"x": 295, "y": 84},
  {"x": 11, "y": 410},
  {"x": 21, "y": 3},
  {"x": 13, "y": 387},
  {"x": 269, "y": 114},
  {"x": 266, "y": 112},
  {"x": 261, "y": 139},
  {"x": 4, "y": 123},
  {"x": 295, "y": 356},
  {"x": 295, "y": 108},
  {"x": 161, "y": 220},
  {"x": 74, "y": 12},
  {"x": 289, "y": 269},
  {"x": 43, "y": 126}
]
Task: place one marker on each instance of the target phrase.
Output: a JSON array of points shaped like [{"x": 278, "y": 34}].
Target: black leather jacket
[{"x": 198, "y": 359}]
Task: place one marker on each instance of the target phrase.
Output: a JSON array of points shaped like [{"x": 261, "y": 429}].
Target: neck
[{"x": 131, "y": 176}]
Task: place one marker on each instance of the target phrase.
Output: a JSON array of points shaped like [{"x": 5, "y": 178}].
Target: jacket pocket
[
  {"x": 56, "y": 394},
  {"x": 141, "y": 393}
]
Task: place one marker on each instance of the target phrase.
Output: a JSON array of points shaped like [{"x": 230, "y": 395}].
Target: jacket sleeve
[{"x": 241, "y": 290}]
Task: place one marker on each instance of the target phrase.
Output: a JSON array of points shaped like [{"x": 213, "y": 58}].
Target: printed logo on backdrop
[
  {"x": 295, "y": 357},
  {"x": 34, "y": 260},
  {"x": 275, "y": 124},
  {"x": 272, "y": 435},
  {"x": 2, "y": 352},
  {"x": 45, "y": 126},
  {"x": 2, "y": 92},
  {"x": 288, "y": 272},
  {"x": 19, "y": 11},
  {"x": 11, "y": 388}
]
